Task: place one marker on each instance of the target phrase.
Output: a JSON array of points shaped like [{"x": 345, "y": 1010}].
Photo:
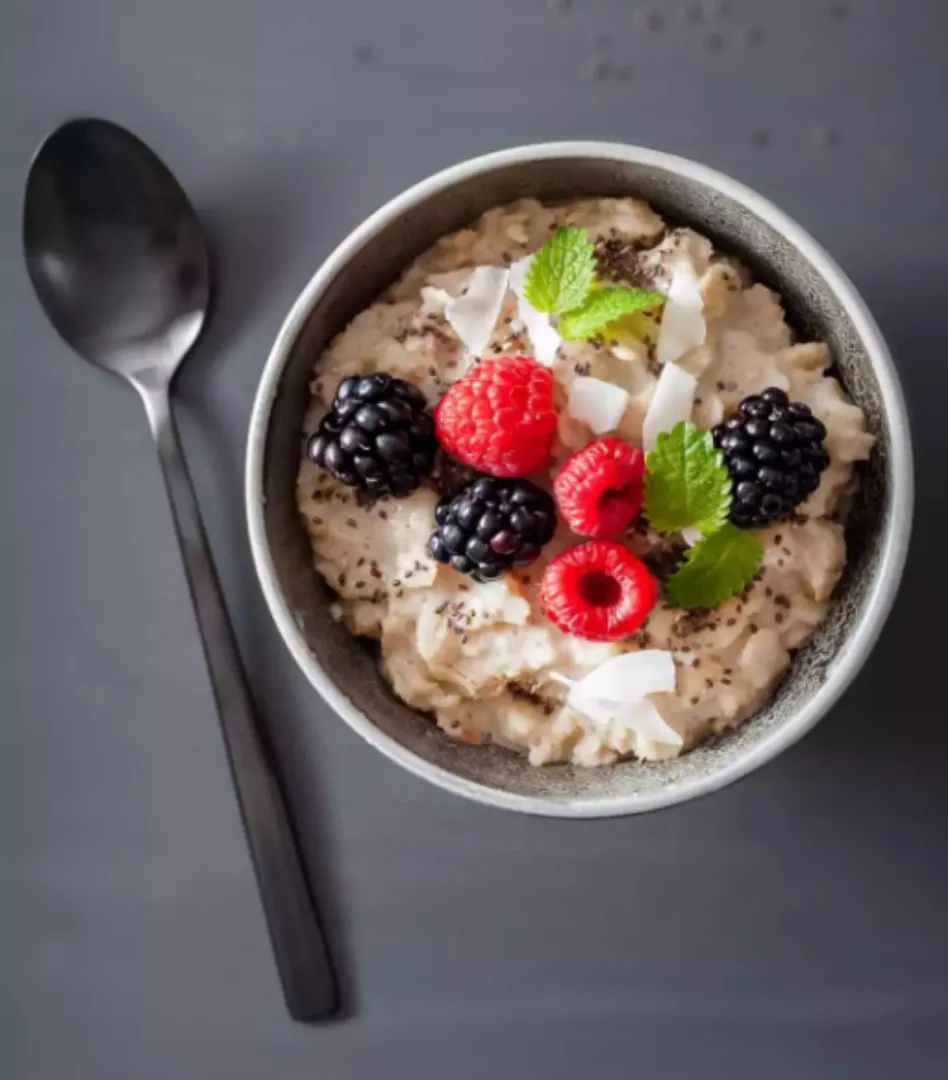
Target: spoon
[{"x": 119, "y": 262}]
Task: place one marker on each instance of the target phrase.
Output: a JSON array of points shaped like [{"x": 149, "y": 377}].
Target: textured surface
[
  {"x": 811, "y": 300},
  {"x": 792, "y": 926}
]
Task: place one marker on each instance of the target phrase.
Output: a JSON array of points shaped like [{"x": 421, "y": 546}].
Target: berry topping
[
  {"x": 773, "y": 448},
  {"x": 492, "y": 525},
  {"x": 598, "y": 591},
  {"x": 499, "y": 417},
  {"x": 599, "y": 488},
  {"x": 378, "y": 435}
]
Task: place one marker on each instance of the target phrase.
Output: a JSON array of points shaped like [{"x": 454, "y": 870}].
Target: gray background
[{"x": 793, "y": 926}]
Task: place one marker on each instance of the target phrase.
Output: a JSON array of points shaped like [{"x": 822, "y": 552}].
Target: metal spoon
[{"x": 118, "y": 259}]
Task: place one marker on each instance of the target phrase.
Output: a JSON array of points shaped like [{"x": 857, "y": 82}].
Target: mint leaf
[
  {"x": 604, "y": 306},
  {"x": 687, "y": 483},
  {"x": 562, "y": 272},
  {"x": 718, "y": 567}
]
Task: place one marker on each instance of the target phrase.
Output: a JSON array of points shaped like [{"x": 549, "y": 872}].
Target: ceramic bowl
[{"x": 822, "y": 303}]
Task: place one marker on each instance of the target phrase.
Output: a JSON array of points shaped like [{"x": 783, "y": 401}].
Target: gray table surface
[{"x": 795, "y": 925}]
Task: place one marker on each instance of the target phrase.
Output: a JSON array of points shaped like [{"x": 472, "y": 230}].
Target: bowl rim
[{"x": 881, "y": 595}]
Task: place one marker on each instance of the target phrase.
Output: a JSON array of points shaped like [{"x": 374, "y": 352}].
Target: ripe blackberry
[
  {"x": 378, "y": 435},
  {"x": 774, "y": 451},
  {"x": 491, "y": 525}
]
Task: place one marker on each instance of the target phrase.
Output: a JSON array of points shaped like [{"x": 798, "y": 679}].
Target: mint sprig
[
  {"x": 562, "y": 272},
  {"x": 718, "y": 567},
  {"x": 561, "y": 281},
  {"x": 687, "y": 484},
  {"x": 602, "y": 307}
]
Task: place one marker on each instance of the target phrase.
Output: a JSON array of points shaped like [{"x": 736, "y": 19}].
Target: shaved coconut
[
  {"x": 544, "y": 336},
  {"x": 691, "y": 535},
  {"x": 599, "y": 404},
  {"x": 616, "y": 693},
  {"x": 683, "y": 327},
  {"x": 645, "y": 719},
  {"x": 671, "y": 403},
  {"x": 518, "y": 275},
  {"x": 629, "y": 677},
  {"x": 642, "y": 718},
  {"x": 435, "y": 299},
  {"x": 474, "y": 315}
]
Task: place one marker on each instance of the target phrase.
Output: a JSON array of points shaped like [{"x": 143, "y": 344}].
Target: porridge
[{"x": 577, "y": 478}]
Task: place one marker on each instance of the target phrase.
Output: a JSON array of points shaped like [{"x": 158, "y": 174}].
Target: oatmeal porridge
[{"x": 608, "y": 505}]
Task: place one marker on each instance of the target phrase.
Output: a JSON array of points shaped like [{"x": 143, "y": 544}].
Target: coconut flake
[
  {"x": 544, "y": 336},
  {"x": 628, "y": 678},
  {"x": 474, "y": 315},
  {"x": 435, "y": 299},
  {"x": 691, "y": 535},
  {"x": 615, "y": 692},
  {"x": 599, "y": 404},
  {"x": 671, "y": 403},
  {"x": 682, "y": 327},
  {"x": 642, "y": 718},
  {"x": 518, "y": 275},
  {"x": 645, "y": 719}
]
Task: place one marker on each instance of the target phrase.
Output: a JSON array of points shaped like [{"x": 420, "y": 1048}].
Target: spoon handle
[{"x": 302, "y": 957}]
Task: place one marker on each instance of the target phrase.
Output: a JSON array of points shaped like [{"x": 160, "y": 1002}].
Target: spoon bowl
[
  {"x": 114, "y": 249},
  {"x": 117, "y": 256}
]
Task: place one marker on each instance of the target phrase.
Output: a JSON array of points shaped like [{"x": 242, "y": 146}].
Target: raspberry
[
  {"x": 599, "y": 488},
  {"x": 598, "y": 591},
  {"x": 499, "y": 417}
]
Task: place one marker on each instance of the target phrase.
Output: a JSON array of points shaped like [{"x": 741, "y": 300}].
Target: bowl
[{"x": 821, "y": 303}]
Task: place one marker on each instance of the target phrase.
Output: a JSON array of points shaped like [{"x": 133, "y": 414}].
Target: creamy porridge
[{"x": 484, "y": 657}]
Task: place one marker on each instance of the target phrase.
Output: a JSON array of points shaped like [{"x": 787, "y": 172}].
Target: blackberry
[
  {"x": 491, "y": 525},
  {"x": 774, "y": 451},
  {"x": 377, "y": 436}
]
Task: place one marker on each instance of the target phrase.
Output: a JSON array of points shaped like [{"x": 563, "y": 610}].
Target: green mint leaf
[
  {"x": 687, "y": 484},
  {"x": 562, "y": 272},
  {"x": 718, "y": 567},
  {"x": 604, "y": 306}
]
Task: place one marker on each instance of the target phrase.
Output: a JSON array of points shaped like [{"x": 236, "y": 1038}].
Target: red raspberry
[
  {"x": 598, "y": 591},
  {"x": 499, "y": 417},
  {"x": 599, "y": 488}
]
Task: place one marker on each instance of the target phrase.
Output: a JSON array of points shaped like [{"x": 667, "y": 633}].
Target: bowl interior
[{"x": 814, "y": 309}]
